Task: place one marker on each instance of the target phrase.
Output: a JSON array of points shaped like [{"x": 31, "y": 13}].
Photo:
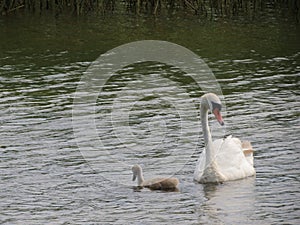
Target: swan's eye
[{"x": 216, "y": 106}]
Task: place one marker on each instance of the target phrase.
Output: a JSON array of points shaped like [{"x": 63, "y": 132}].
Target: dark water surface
[{"x": 44, "y": 178}]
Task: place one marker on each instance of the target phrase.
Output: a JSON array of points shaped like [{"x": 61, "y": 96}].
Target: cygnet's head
[{"x": 136, "y": 169}]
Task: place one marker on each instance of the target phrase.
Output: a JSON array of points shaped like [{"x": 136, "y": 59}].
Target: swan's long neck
[
  {"x": 206, "y": 132},
  {"x": 140, "y": 177}
]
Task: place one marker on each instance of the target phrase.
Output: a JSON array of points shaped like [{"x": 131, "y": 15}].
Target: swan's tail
[
  {"x": 247, "y": 148},
  {"x": 248, "y": 151}
]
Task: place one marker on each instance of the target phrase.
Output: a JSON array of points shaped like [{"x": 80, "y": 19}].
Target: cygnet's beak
[{"x": 218, "y": 116}]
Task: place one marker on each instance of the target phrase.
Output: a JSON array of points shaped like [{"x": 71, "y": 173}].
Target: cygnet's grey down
[{"x": 155, "y": 183}]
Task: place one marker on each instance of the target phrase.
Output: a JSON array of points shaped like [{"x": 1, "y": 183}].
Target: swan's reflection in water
[{"x": 229, "y": 203}]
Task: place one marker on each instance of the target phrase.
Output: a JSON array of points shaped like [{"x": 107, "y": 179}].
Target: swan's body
[
  {"x": 222, "y": 159},
  {"x": 156, "y": 183}
]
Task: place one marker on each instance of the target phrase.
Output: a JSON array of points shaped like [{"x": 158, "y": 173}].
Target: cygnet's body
[{"x": 155, "y": 183}]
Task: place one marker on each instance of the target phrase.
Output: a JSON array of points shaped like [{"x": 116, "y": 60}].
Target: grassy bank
[{"x": 206, "y": 8}]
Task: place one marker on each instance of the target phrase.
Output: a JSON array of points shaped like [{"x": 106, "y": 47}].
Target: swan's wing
[{"x": 231, "y": 160}]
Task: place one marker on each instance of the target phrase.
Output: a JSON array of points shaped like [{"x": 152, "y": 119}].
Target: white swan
[
  {"x": 222, "y": 159},
  {"x": 156, "y": 183}
]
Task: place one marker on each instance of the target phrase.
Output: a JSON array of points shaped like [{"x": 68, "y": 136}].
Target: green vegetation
[{"x": 200, "y": 7}]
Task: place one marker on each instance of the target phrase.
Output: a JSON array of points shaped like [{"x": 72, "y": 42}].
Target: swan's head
[
  {"x": 136, "y": 169},
  {"x": 213, "y": 102}
]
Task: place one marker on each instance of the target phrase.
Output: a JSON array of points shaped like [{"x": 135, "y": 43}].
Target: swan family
[{"x": 221, "y": 160}]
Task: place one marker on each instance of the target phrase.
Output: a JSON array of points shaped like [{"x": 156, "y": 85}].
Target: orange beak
[{"x": 218, "y": 116}]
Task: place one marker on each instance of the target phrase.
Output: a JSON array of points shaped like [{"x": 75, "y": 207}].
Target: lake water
[{"x": 47, "y": 173}]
